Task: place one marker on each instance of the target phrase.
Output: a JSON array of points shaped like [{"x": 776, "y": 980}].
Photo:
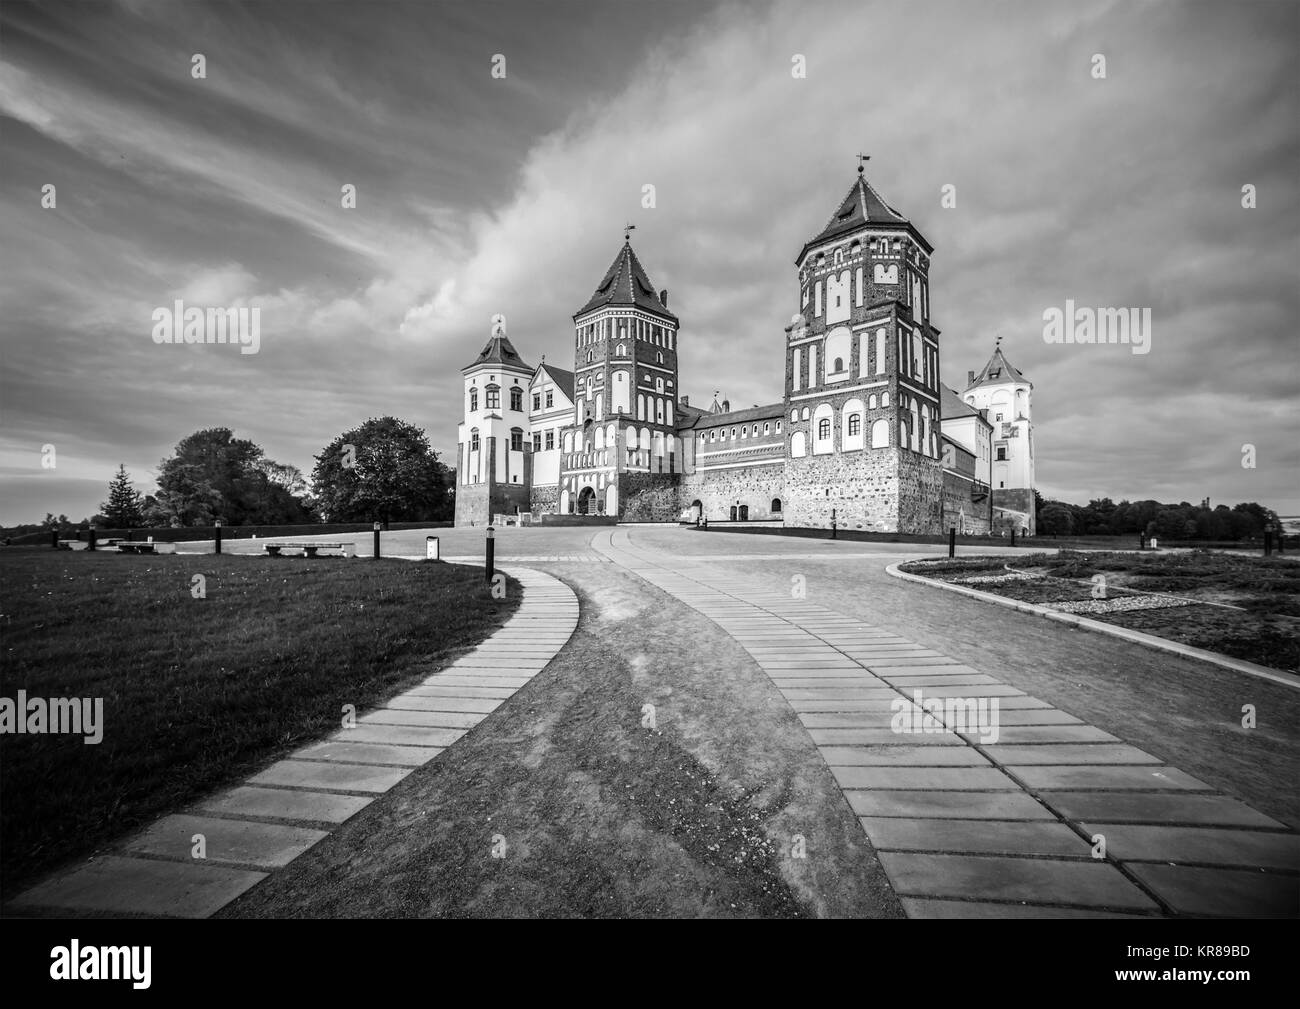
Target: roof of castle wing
[
  {"x": 998, "y": 372},
  {"x": 625, "y": 284},
  {"x": 861, "y": 208},
  {"x": 499, "y": 351}
]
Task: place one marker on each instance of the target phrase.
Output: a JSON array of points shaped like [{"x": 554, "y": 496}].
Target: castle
[{"x": 866, "y": 435}]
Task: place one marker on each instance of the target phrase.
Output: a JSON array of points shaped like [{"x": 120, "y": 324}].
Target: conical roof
[
  {"x": 998, "y": 371},
  {"x": 625, "y": 284},
  {"x": 500, "y": 351},
  {"x": 861, "y": 208}
]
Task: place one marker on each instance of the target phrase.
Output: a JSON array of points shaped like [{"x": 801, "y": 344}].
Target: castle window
[
  {"x": 794, "y": 416},
  {"x": 733, "y": 432},
  {"x": 550, "y": 440},
  {"x": 823, "y": 429},
  {"x": 778, "y": 427},
  {"x": 473, "y": 440},
  {"x": 537, "y": 401},
  {"x": 871, "y": 402},
  {"x": 884, "y": 399},
  {"x": 839, "y": 256},
  {"x": 713, "y": 436},
  {"x": 659, "y": 356},
  {"x": 744, "y": 432},
  {"x": 806, "y": 413},
  {"x": 493, "y": 397},
  {"x": 516, "y": 440},
  {"x": 767, "y": 428},
  {"x": 589, "y": 357},
  {"x": 517, "y": 399},
  {"x": 622, "y": 350},
  {"x": 839, "y": 364},
  {"x": 550, "y": 399},
  {"x": 1002, "y": 453},
  {"x": 473, "y": 399},
  {"x": 880, "y": 434},
  {"x": 537, "y": 441},
  {"x": 659, "y": 385},
  {"x": 855, "y": 424},
  {"x": 755, "y": 430}
]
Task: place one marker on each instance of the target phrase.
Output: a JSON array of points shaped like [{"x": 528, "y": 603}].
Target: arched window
[
  {"x": 794, "y": 415},
  {"x": 493, "y": 397},
  {"x": 823, "y": 429},
  {"x": 855, "y": 425},
  {"x": 517, "y": 399},
  {"x": 871, "y": 402},
  {"x": 797, "y": 448},
  {"x": 659, "y": 356},
  {"x": 839, "y": 364},
  {"x": 516, "y": 439},
  {"x": 589, "y": 357},
  {"x": 806, "y": 413},
  {"x": 473, "y": 399},
  {"x": 880, "y": 434},
  {"x": 884, "y": 399},
  {"x": 473, "y": 440},
  {"x": 776, "y": 506},
  {"x": 622, "y": 350}
]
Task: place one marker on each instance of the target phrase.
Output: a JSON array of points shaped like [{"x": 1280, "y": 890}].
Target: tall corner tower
[
  {"x": 625, "y": 389},
  {"x": 493, "y": 450},
  {"x": 862, "y": 375},
  {"x": 1007, "y": 395}
]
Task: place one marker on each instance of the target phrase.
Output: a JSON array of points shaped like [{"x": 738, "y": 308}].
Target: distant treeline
[{"x": 1168, "y": 521}]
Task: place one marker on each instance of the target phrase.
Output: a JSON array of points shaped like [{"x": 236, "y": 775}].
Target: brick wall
[
  {"x": 719, "y": 490},
  {"x": 863, "y": 490}
]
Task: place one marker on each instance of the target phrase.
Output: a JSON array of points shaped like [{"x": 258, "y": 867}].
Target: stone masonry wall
[
  {"x": 648, "y": 497},
  {"x": 863, "y": 490},
  {"x": 719, "y": 490}
]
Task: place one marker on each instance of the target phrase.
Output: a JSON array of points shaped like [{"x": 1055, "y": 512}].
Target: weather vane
[
  {"x": 862, "y": 161},
  {"x": 627, "y": 231}
]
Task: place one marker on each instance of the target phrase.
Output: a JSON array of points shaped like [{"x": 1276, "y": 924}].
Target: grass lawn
[
  {"x": 1244, "y": 606},
  {"x": 199, "y": 692}
]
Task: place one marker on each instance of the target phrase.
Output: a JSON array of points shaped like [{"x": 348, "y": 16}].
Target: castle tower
[
  {"x": 494, "y": 453},
  {"x": 1006, "y": 394},
  {"x": 862, "y": 375},
  {"x": 624, "y": 391}
]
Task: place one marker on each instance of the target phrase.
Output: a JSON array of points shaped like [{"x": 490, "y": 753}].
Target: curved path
[
  {"x": 1047, "y": 817},
  {"x": 262, "y": 825}
]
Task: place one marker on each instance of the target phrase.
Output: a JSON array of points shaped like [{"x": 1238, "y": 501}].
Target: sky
[{"x": 478, "y": 194}]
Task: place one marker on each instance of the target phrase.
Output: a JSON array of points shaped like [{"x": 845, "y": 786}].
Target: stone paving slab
[
  {"x": 444, "y": 680},
  {"x": 882, "y": 737},
  {"x": 919, "y": 907},
  {"x": 444, "y": 702},
  {"x": 398, "y": 735},
  {"x": 1016, "y": 734},
  {"x": 427, "y": 719},
  {"x": 1140, "y": 807},
  {"x": 948, "y": 805},
  {"x": 903, "y": 756},
  {"x": 1205, "y": 845},
  {"x": 995, "y": 877},
  {"x": 1070, "y": 753},
  {"x": 142, "y": 886},
  {"x": 230, "y": 842},
  {"x": 495, "y": 693},
  {"x": 1009, "y": 837},
  {"x": 1226, "y": 892},
  {"x": 320, "y": 775},
  {"x": 369, "y": 753},
  {"x": 285, "y": 804},
  {"x": 1112, "y": 777},
  {"x": 969, "y": 779}
]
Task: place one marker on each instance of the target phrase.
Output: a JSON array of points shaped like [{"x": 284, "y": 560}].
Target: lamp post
[
  {"x": 217, "y": 542},
  {"x": 377, "y": 528}
]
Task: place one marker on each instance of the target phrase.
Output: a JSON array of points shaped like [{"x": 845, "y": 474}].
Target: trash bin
[{"x": 431, "y": 549}]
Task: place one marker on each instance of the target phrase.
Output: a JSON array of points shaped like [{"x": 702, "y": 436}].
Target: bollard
[
  {"x": 90, "y": 538},
  {"x": 432, "y": 549},
  {"x": 1142, "y": 541},
  {"x": 1013, "y": 535},
  {"x": 54, "y": 538},
  {"x": 217, "y": 541},
  {"x": 952, "y": 541},
  {"x": 833, "y": 523},
  {"x": 491, "y": 553},
  {"x": 377, "y": 526},
  {"x": 1268, "y": 542},
  {"x": 1281, "y": 538}
]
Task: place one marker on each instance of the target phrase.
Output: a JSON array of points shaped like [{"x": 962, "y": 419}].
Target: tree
[
  {"x": 1055, "y": 519},
  {"x": 124, "y": 508},
  {"x": 382, "y": 470},
  {"x": 215, "y": 475}
]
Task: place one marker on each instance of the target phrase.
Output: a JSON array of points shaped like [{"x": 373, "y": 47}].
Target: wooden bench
[
  {"x": 128, "y": 547},
  {"x": 309, "y": 549}
]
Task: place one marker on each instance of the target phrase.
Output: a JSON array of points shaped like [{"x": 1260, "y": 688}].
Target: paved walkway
[
  {"x": 1011, "y": 828},
  {"x": 279, "y": 813}
]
